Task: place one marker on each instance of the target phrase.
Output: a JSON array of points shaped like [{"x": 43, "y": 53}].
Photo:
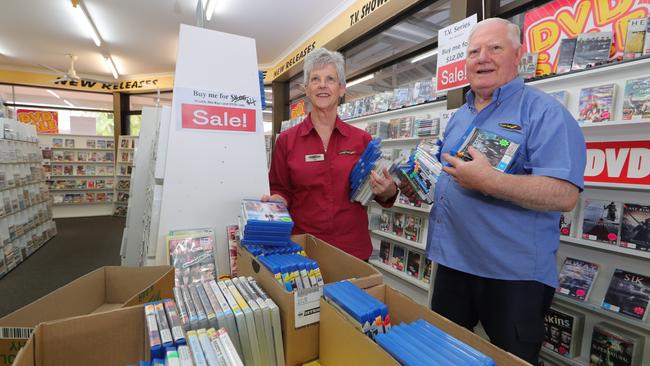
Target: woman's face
[{"x": 324, "y": 88}]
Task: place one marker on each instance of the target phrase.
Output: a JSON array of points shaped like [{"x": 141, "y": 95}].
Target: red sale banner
[
  {"x": 545, "y": 26},
  {"x": 620, "y": 162},
  {"x": 45, "y": 121},
  {"x": 206, "y": 117},
  {"x": 452, "y": 76}
]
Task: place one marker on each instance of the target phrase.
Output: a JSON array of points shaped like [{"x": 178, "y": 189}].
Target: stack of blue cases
[
  {"x": 370, "y": 313},
  {"x": 258, "y": 250},
  {"x": 364, "y": 166},
  {"x": 293, "y": 270},
  {"x": 265, "y": 223},
  {"x": 422, "y": 344}
]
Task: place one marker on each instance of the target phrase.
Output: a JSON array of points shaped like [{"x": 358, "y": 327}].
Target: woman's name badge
[{"x": 314, "y": 157}]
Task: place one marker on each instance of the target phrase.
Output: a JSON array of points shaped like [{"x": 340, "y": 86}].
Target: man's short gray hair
[
  {"x": 321, "y": 57},
  {"x": 513, "y": 29}
]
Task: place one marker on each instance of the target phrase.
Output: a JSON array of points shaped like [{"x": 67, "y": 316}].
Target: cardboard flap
[
  {"x": 133, "y": 285},
  {"x": 25, "y": 356},
  {"x": 62, "y": 302},
  {"x": 113, "y": 338}
]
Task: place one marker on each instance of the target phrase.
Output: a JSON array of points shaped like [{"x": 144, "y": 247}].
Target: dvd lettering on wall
[
  {"x": 601, "y": 221},
  {"x": 635, "y": 228},
  {"x": 628, "y": 293}
]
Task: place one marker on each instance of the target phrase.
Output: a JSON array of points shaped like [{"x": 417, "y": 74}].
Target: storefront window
[{"x": 138, "y": 101}]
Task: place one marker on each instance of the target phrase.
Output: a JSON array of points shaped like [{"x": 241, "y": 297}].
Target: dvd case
[
  {"x": 614, "y": 346},
  {"x": 628, "y": 294},
  {"x": 635, "y": 228},
  {"x": 634, "y": 41},
  {"x": 601, "y": 221},
  {"x": 636, "y": 99},
  {"x": 596, "y": 103},
  {"x": 528, "y": 65},
  {"x": 576, "y": 278},
  {"x": 566, "y": 53},
  {"x": 563, "y": 331},
  {"x": 592, "y": 49},
  {"x": 499, "y": 150}
]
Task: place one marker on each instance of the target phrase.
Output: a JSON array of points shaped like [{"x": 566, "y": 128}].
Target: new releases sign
[
  {"x": 619, "y": 162},
  {"x": 452, "y": 47},
  {"x": 217, "y": 111}
]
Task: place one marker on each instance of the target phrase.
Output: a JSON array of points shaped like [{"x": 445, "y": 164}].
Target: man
[{"x": 494, "y": 234}]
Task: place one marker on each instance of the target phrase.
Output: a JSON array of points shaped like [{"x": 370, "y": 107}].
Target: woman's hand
[
  {"x": 383, "y": 187},
  {"x": 273, "y": 197}
]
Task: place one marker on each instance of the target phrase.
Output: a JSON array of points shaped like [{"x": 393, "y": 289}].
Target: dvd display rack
[
  {"x": 608, "y": 207},
  {"x": 124, "y": 166},
  {"x": 399, "y": 237},
  {"x": 80, "y": 173},
  {"x": 25, "y": 204}
]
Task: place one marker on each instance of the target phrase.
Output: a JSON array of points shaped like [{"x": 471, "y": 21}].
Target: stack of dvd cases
[
  {"x": 418, "y": 343},
  {"x": 421, "y": 170},
  {"x": 265, "y": 223},
  {"x": 370, "y": 315},
  {"x": 293, "y": 271},
  {"x": 238, "y": 308},
  {"x": 371, "y": 160},
  {"x": 260, "y": 250}
]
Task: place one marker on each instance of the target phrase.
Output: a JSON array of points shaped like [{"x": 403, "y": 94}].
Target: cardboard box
[
  {"x": 104, "y": 289},
  {"x": 111, "y": 338},
  {"x": 301, "y": 345},
  {"x": 343, "y": 344}
]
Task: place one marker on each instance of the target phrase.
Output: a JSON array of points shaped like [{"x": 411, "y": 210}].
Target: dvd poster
[
  {"x": 601, "y": 221},
  {"x": 576, "y": 278},
  {"x": 398, "y": 257},
  {"x": 636, "y": 99},
  {"x": 412, "y": 227},
  {"x": 628, "y": 294},
  {"x": 384, "y": 252},
  {"x": 565, "y": 58},
  {"x": 413, "y": 263},
  {"x": 596, "y": 103},
  {"x": 592, "y": 49},
  {"x": 611, "y": 346},
  {"x": 635, "y": 229}
]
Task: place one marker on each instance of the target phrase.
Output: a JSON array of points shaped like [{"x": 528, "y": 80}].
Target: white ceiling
[{"x": 142, "y": 35}]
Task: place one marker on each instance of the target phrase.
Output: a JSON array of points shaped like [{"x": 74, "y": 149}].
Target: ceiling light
[
  {"x": 53, "y": 94},
  {"x": 360, "y": 80},
  {"x": 268, "y": 90},
  {"x": 267, "y": 111},
  {"x": 209, "y": 9},
  {"x": 111, "y": 66},
  {"x": 68, "y": 103},
  {"x": 269, "y": 102},
  {"x": 87, "y": 22},
  {"x": 424, "y": 55}
]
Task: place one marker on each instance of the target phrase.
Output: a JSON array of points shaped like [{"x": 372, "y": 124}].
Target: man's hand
[
  {"x": 273, "y": 197},
  {"x": 383, "y": 187},
  {"x": 476, "y": 174}
]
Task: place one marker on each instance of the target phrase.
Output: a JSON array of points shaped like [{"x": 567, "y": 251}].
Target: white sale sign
[{"x": 452, "y": 47}]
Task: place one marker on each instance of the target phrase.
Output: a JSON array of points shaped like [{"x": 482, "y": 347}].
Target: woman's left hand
[{"x": 383, "y": 187}]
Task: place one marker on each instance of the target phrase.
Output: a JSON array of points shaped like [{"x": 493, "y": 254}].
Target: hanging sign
[
  {"x": 547, "y": 25},
  {"x": 216, "y": 110},
  {"x": 618, "y": 162},
  {"x": 44, "y": 121},
  {"x": 452, "y": 48}
]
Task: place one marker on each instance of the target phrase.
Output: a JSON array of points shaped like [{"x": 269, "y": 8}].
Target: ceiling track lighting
[
  {"x": 111, "y": 66},
  {"x": 53, "y": 94},
  {"x": 360, "y": 80},
  {"x": 209, "y": 9},
  {"x": 424, "y": 56},
  {"x": 89, "y": 25}
]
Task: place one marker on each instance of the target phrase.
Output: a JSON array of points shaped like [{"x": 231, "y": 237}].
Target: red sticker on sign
[
  {"x": 206, "y": 117},
  {"x": 452, "y": 75}
]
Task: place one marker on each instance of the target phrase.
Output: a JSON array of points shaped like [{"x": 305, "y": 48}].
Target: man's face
[
  {"x": 492, "y": 60},
  {"x": 324, "y": 88}
]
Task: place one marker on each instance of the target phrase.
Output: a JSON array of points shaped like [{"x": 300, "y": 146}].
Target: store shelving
[
  {"x": 424, "y": 107},
  {"x": 612, "y": 248},
  {"x": 402, "y": 275},
  {"x": 399, "y": 239},
  {"x": 124, "y": 166}
]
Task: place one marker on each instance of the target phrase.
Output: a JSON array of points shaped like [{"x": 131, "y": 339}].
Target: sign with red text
[
  {"x": 452, "y": 48},
  {"x": 44, "y": 121},
  {"x": 546, "y": 26},
  {"x": 618, "y": 162},
  {"x": 217, "y": 111}
]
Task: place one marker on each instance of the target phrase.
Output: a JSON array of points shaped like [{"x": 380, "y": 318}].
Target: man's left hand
[
  {"x": 383, "y": 187},
  {"x": 476, "y": 174}
]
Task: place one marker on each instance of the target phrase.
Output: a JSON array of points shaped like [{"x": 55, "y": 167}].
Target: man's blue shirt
[{"x": 492, "y": 238}]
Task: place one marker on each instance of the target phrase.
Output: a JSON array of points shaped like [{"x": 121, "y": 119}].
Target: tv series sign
[
  {"x": 619, "y": 162},
  {"x": 547, "y": 25}
]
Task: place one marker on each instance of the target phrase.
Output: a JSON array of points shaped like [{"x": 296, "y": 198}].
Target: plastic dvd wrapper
[
  {"x": 499, "y": 150},
  {"x": 191, "y": 254},
  {"x": 265, "y": 223}
]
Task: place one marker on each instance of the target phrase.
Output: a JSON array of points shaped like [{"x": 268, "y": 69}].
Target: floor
[{"x": 81, "y": 245}]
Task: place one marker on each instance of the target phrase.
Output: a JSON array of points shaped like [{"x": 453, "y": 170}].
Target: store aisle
[{"x": 81, "y": 245}]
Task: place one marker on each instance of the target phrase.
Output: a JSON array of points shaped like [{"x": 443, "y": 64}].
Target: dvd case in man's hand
[{"x": 499, "y": 150}]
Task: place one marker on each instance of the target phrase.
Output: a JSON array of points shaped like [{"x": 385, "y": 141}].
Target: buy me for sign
[{"x": 44, "y": 121}]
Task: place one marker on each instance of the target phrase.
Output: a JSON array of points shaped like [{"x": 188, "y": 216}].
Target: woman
[{"x": 312, "y": 161}]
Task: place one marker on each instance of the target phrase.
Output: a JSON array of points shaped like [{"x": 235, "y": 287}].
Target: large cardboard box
[
  {"x": 341, "y": 343},
  {"x": 104, "y": 289},
  {"x": 301, "y": 344},
  {"x": 111, "y": 338}
]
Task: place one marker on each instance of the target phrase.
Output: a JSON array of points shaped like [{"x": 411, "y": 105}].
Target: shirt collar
[
  {"x": 307, "y": 126},
  {"x": 500, "y": 94}
]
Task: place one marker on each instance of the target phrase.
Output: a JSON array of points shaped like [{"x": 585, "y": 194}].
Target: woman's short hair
[{"x": 321, "y": 57}]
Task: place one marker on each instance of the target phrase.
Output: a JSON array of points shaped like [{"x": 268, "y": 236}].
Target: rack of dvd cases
[
  {"x": 80, "y": 171},
  {"x": 25, "y": 204},
  {"x": 399, "y": 233},
  {"x": 604, "y": 253},
  {"x": 124, "y": 167}
]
